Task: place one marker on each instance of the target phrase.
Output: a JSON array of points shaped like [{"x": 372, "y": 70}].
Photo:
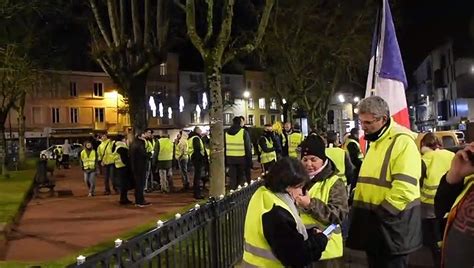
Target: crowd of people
[{"x": 387, "y": 200}]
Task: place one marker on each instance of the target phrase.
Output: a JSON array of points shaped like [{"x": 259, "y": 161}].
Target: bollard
[
  {"x": 246, "y": 184},
  {"x": 118, "y": 242},
  {"x": 80, "y": 260},
  {"x": 221, "y": 196},
  {"x": 197, "y": 206},
  {"x": 231, "y": 191},
  {"x": 177, "y": 216},
  {"x": 159, "y": 224}
]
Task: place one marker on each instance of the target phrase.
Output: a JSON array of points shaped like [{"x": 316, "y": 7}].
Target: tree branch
[
  {"x": 181, "y": 6},
  {"x": 99, "y": 22},
  {"x": 162, "y": 23},
  {"x": 210, "y": 20},
  {"x": 112, "y": 9},
  {"x": 226, "y": 27},
  {"x": 146, "y": 33},
  {"x": 191, "y": 25},
  {"x": 136, "y": 23},
  {"x": 122, "y": 21}
]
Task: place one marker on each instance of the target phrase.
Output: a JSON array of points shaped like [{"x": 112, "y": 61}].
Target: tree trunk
[
  {"x": 3, "y": 149},
  {"x": 21, "y": 130},
  {"x": 137, "y": 103},
  {"x": 217, "y": 168}
]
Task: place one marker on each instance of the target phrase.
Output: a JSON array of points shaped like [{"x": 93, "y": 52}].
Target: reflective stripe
[
  {"x": 260, "y": 252},
  {"x": 428, "y": 196},
  {"x": 405, "y": 178},
  {"x": 388, "y": 155},
  {"x": 428, "y": 187},
  {"x": 373, "y": 207},
  {"x": 374, "y": 181}
]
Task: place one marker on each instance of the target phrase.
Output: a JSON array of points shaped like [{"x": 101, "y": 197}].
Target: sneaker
[
  {"x": 90, "y": 194},
  {"x": 126, "y": 202},
  {"x": 142, "y": 205}
]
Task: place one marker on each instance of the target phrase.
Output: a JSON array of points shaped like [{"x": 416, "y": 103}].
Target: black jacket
[
  {"x": 354, "y": 151},
  {"x": 197, "y": 157},
  {"x": 263, "y": 144},
  {"x": 233, "y": 130},
  {"x": 138, "y": 158},
  {"x": 289, "y": 246}
]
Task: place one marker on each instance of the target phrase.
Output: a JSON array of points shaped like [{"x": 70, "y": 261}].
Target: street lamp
[
  {"x": 246, "y": 103},
  {"x": 356, "y": 99},
  {"x": 246, "y": 94},
  {"x": 341, "y": 98},
  {"x": 115, "y": 92}
]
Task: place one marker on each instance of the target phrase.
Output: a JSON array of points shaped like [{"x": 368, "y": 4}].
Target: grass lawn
[{"x": 13, "y": 191}]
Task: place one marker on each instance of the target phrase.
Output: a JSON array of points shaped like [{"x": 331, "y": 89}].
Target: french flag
[{"x": 386, "y": 76}]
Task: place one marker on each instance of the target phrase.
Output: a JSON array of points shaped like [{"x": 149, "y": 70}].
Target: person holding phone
[
  {"x": 326, "y": 201},
  {"x": 274, "y": 233}
]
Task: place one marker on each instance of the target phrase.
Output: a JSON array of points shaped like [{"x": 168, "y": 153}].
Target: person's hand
[
  {"x": 303, "y": 200},
  {"x": 461, "y": 166}
]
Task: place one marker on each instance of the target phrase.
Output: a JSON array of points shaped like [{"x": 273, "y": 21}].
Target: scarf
[
  {"x": 288, "y": 200},
  {"x": 376, "y": 135}
]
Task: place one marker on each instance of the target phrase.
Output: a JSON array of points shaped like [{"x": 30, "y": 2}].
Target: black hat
[{"x": 314, "y": 145}]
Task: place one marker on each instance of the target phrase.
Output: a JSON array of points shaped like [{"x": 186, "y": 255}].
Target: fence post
[{"x": 213, "y": 234}]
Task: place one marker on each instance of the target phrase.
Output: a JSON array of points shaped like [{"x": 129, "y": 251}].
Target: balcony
[{"x": 100, "y": 126}]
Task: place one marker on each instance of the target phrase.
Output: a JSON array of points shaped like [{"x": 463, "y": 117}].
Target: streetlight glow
[
  {"x": 356, "y": 99},
  {"x": 341, "y": 98},
  {"x": 181, "y": 104},
  {"x": 170, "y": 113},
  {"x": 283, "y": 101},
  {"x": 160, "y": 109},
  {"x": 246, "y": 94},
  {"x": 204, "y": 100},
  {"x": 152, "y": 104},
  {"x": 198, "y": 111}
]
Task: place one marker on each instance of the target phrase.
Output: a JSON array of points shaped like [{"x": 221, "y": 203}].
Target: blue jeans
[
  {"x": 89, "y": 179},
  {"x": 183, "y": 167}
]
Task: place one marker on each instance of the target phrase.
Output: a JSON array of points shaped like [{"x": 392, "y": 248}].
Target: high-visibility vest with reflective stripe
[
  {"x": 150, "y": 145},
  {"x": 118, "y": 160},
  {"x": 394, "y": 150},
  {"x": 191, "y": 148},
  {"x": 257, "y": 251},
  {"x": 437, "y": 163},
  {"x": 105, "y": 152},
  {"x": 338, "y": 156},
  {"x": 321, "y": 190},
  {"x": 267, "y": 157},
  {"x": 178, "y": 152},
  {"x": 349, "y": 141},
  {"x": 235, "y": 144},
  {"x": 294, "y": 140},
  {"x": 88, "y": 161},
  {"x": 166, "y": 150}
]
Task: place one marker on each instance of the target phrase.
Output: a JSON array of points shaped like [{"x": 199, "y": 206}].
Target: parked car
[
  {"x": 449, "y": 138},
  {"x": 76, "y": 150}
]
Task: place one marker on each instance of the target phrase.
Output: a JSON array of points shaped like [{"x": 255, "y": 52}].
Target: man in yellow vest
[
  {"x": 268, "y": 155},
  {"x": 386, "y": 213},
  {"x": 351, "y": 145},
  {"x": 284, "y": 138},
  {"x": 163, "y": 161},
  {"x": 238, "y": 152},
  {"x": 198, "y": 155},
  {"x": 295, "y": 138},
  {"x": 122, "y": 168},
  {"x": 150, "y": 142},
  {"x": 325, "y": 202},
  {"x": 182, "y": 157},
  {"x": 339, "y": 157},
  {"x": 455, "y": 195},
  {"x": 106, "y": 159},
  {"x": 88, "y": 161},
  {"x": 435, "y": 163}
]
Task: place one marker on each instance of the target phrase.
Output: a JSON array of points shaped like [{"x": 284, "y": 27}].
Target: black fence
[{"x": 207, "y": 236}]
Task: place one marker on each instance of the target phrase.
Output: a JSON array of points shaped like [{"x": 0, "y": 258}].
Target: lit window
[
  {"x": 74, "y": 115},
  {"x": 251, "y": 120},
  {"x": 251, "y": 104},
  {"x": 163, "y": 69},
  {"x": 263, "y": 120},
  {"x": 227, "y": 96},
  {"x": 273, "y": 104},
  {"x": 228, "y": 118},
  {"x": 98, "y": 89},
  {"x": 99, "y": 115},
  {"x": 261, "y": 103}
]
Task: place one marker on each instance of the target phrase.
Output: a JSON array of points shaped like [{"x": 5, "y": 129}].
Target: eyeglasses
[{"x": 368, "y": 123}]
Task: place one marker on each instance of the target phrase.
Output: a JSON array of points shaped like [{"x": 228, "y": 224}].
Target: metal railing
[{"x": 209, "y": 235}]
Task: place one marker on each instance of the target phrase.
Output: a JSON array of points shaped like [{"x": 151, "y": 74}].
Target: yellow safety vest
[
  {"x": 117, "y": 159},
  {"x": 267, "y": 157},
  {"x": 338, "y": 156},
  {"x": 178, "y": 153},
  {"x": 349, "y": 141},
  {"x": 191, "y": 148},
  {"x": 150, "y": 145},
  {"x": 392, "y": 161},
  {"x": 105, "y": 152},
  {"x": 294, "y": 140},
  {"x": 437, "y": 163},
  {"x": 235, "y": 144},
  {"x": 257, "y": 251},
  {"x": 321, "y": 190},
  {"x": 166, "y": 150},
  {"x": 88, "y": 161}
]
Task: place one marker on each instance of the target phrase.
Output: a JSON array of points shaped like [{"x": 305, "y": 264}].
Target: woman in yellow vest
[
  {"x": 274, "y": 233},
  {"x": 326, "y": 201},
  {"x": 435, "y": 163},
  {"x": 89, "y": 164},
  {"x": 122, "y": 169}
]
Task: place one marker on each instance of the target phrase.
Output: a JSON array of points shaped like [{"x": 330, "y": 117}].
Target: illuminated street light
[
  {"x": 160, "y": 109},
  {"x": 170, "y": 113},
  {"x": 198, "y": 111},
  {"x": 246, "y": 94},
  {"x": 341, "y": 98},
  {"x": 181, "y": 104},
  {"x": 283, "y": 101},
  {"x": 152, "y": 104},
  {"x": 204, "y": 100},
  {"x": 356, "y": 99}
]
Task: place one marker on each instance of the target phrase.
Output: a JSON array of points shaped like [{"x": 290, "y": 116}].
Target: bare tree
[
  {"x": 217, "y": 47},
  {"x": 129, "y": 38}
]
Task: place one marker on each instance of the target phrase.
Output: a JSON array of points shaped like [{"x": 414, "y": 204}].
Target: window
[
  {"x": 72, "y": 89},
  {"x": 263, "y": 120},
  {"x": 227, "y": 96},
  {"x": 226, "y": 80},
  {"x": 74, "y": 115},
  {"x": 98, "y": 90},
  {"x": 195, "y": 117},
  {"x": 99, "y": 114},
  {"x": 163, "y": 69},
  {"x": 273, "y": 118},
  {"x": 273, "y": 104},
  {"x": 249, "y": 84},
  {"x": 251, "y": 104},
  {"x": 261, "y": 103},
  {"x": 228, "y": 118},
  {"x": 55, "y": 115},
  {"x": 194, "y": 97},
  {"x": 37, "y": 116},
  {"x": 195, "y": 78},
  {"x": 251, "y": 120}
]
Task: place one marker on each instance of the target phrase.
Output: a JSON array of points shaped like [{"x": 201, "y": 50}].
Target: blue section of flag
[{"x": 392, "y": 64}]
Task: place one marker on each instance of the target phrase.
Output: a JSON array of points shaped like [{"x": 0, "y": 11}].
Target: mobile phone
[{"x": 330, "y": 229}]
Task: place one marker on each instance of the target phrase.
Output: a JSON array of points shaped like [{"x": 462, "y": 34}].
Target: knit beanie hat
[{"x": 314, "y": 145}]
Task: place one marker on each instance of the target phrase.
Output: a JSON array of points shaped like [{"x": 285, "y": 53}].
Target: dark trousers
[
  {"x": 198, "y": 169},
  {"x": 268, "y": 166},
  {"x": 109, "y": 177},
  {"x": 376, "y": 260},
  {"x": 122, "y": 177},
  {"x": 236, "y": 174},
  {"x": 139, "y": 188},
  {"x": 65, "y": 161},
  {"x": 432, "y": 234},
  {"x": 248, "y": 174}
]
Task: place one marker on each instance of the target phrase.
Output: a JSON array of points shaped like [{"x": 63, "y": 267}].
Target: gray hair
[{"x": 374, "y": 105}]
